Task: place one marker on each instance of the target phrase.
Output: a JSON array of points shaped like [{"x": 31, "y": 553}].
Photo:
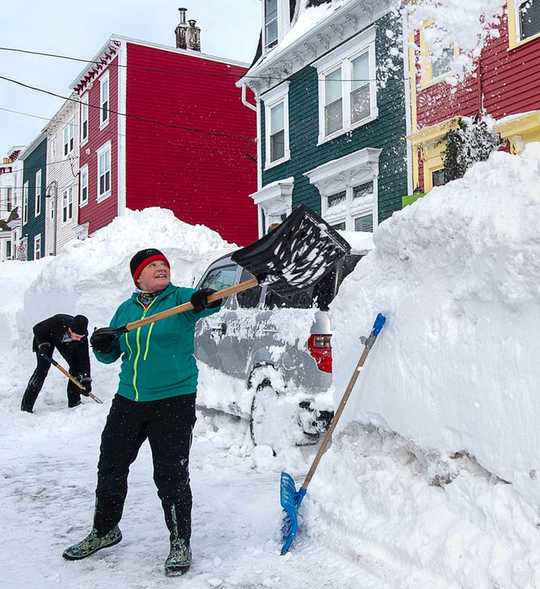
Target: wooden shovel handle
[
  {"x": 68, "y": 375},
  {"x": 220, "y": 294},
  {"x": 341, "y": 407}
]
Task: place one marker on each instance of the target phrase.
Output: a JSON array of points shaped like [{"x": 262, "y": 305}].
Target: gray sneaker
[
  {"x": 179, "y": 559},
  {"x": 92, "y": 543}
]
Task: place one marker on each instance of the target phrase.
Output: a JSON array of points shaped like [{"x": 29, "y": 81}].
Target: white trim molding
[
  {"x": 274, "y": 200},
  {"x": 341, "y": 60},
  {"x": 272, "y": 99},
  {"x": 358, "y": 170},
  {"x": 122, "y": 130}
]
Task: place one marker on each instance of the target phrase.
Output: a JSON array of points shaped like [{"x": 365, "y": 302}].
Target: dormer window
[{"x": 271, "y": 28}]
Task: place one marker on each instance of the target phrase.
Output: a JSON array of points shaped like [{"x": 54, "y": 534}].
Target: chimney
[
  {"x": 194, "y": 36},
  {"x": 187, "y": 36},
  {"x": 181, "y": 30}
]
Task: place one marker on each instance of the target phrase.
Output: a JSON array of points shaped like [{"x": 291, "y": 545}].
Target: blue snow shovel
[{"x": 291, "y": 498}]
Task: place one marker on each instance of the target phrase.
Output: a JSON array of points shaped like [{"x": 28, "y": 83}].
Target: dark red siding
[
  {"x": 100, "y": 214},
  {"x": 505, "y": 82},
  {"x": 190, "y": 142}
]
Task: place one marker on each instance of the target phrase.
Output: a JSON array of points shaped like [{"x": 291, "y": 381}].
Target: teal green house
[{"x": 332, "y": 111}]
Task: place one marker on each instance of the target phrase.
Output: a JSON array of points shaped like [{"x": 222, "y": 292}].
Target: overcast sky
[{"x": 229, "y": 28}]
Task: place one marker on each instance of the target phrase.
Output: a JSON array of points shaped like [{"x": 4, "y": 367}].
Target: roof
[{"x": 109, "y": 49}]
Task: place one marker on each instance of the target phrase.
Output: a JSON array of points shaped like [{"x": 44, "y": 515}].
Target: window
[
  {"x": 104, "y": 100},
  {"x": 9, "y": 199},
  {"x": 336, "y": 199},
  {"x": 333, "y": 105},
  {"x": 364, "y": 223},
  {"x": 104, "y": 171},
  {"x": 340, "y": 226},
  {"x": 438, "y": 178},
  {"x": 442, "y": 64},
  {"x": 270, "y": 23},
  {"x": 84, "y": 185},
  {"x": 8, "y": 250},
  {"x": 277, "y": 132},
  {"x": 529, "y": 18},
  {"x": 248, "y": 299},
  {"x": 219, "y": 278},
  {"x": 360, "y": 89},
  {"x": 276, "y": 119},
  {"x": 84, "y": 118},
  {"x": 37, "y": 202},
  {"x": 347, "y": 86},
  {"x": 25, "y": 202},
  {"x": 67, "y": 205},
  {"x": 68, "y": 138},
  {"x": 363, "y": 190},
  {"x": 37, "y": 247}
]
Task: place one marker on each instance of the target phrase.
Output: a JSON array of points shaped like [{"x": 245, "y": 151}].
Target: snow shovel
[
  {"x": 291, "y": 498},
  {"x": 296, "y": 255},
  {"x": 71, "y": 378}
]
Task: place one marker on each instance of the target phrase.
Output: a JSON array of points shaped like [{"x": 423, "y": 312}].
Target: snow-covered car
[{"x": 279, "y": 349}]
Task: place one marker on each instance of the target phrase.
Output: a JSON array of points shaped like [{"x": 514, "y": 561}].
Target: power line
[
  {"x": 168, "y": 71},
  {"x": 133, "y": 116}
]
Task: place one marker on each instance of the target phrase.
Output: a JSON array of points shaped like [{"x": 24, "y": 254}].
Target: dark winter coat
[
  {"x": 157, "y": 359},
  {"x": 54, "y": 331}
]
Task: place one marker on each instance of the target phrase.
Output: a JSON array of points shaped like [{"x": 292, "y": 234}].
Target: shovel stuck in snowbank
[
  {"x": 289, "y": 496},
  {"x": 296, "y": 255}
]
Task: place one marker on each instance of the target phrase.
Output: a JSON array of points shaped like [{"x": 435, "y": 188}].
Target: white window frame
[
  {"x": 105, "y": 147},
  {"x": 68, "y": 138},
  {"x": 283, "y": 23},
  {"x": 342, "y": 57},
  {"x": 271, "y": 99},
  {"x": 84, "y": 174},
  {"x": 104, "y": 97},
  {"x": 274, "y": 201},
  {"x": 67, "y": 206},
  {"x": 84, "y": 119},
  {"x": 37, "y": 246},
  {"x": 37, "y": 193},
  {"x": 344, "y": 175},
  {"x": 25, "y": 203}
]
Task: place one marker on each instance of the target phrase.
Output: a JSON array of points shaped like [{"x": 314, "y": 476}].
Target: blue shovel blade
[{"x": 290, "y": 500}]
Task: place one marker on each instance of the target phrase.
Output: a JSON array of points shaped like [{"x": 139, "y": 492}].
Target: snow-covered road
[{"x": 46, "y": 500}]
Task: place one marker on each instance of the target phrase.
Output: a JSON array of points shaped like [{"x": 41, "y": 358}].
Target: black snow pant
[
  {"x": 37, "y": 379},
  {"x": 168, "y": 425}
]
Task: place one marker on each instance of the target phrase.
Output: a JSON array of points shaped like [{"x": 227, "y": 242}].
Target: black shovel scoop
[{"x": 295, "y": 256}]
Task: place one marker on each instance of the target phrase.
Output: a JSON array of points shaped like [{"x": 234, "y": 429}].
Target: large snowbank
[
  {"x": 434, "y": 475},
  {"x": 92, "y": 276}
]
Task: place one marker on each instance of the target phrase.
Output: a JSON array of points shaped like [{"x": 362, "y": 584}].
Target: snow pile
[
  {"x": 92, "y": 276},
  {"x": 455, "y": 372}
]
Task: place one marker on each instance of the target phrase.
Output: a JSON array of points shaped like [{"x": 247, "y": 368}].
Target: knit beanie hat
[
  {"x": 79, "y": 325},
  {"x": 141, "y": 259}
]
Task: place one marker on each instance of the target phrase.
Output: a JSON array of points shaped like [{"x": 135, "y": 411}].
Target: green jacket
[{"x": 157, "y": 359}]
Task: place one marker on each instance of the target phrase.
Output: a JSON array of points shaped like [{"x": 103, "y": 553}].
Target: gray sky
[{"x": 229, "y": 28}]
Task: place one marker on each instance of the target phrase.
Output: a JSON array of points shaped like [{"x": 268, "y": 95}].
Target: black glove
[
  {"x": 199, "y": 300},
  {"x": 45, "y": 348},
  {"x": 86, "y": 381},
  {"x": 104, "y": 339}
]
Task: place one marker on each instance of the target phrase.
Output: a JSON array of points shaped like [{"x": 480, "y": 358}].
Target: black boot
[{"x": 179, "y": 559}]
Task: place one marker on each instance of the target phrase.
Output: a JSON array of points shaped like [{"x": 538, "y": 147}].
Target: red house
[
  {"x": 506, "y": 82},
  {"x": 164, "y": 126}
]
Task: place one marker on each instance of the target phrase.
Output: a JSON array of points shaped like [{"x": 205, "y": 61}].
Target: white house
[
  {"x": 62, "y": 190},
  {"x": 11, "y": 182}
]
